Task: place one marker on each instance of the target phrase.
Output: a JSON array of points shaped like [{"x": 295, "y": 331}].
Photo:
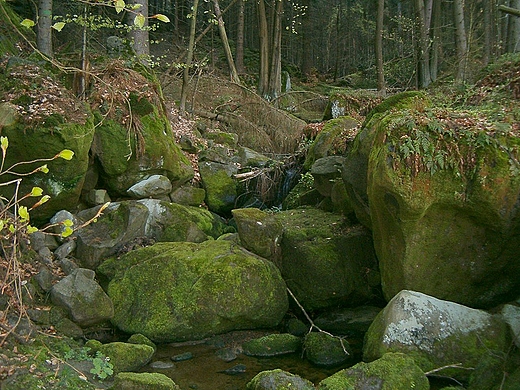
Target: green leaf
[
  {"x": 44, "y": 168},
  {"x": 162, "y": 18},
  {"x": 23, "y": 213},
  {"x": 4, "y": 143},
  {"x": 66, "y": 154},
  {"x": 139, "y": 20},
  {"x": 2, "y": 224},
  {"x": 58, "y": 26},
  {"x": 67, "y": 232},
  {"x": 67, "y": 223},
  {"x": 31, "y": 229},
  {"x": 120, "y": 5},
  {"x": 27, "y": 23},
  {"x": 36, "y": 191}
]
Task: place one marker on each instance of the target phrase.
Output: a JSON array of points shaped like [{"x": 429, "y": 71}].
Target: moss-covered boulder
[
  {"x": 186, "y": 291},
  {"x": 436, "y": 333},
  {"x": 351, "y": 102},
  {"x": 143, "y": 381},
  {"x": 393, "y": 371},
  {"x": 279, "y": 380},
  {"x": 272, "y": 345},
  {"x": 127, "y": 356},
  {"x": 128, "y": 224},
  {"x": 220, "y": 185},
  {"x": 133, "y": 139},
  {"x": 322, "y": 349},
  {"x": 259, "y": 232},
  {"x": 332, "y": 140},
  {"x": 440, "y": 191},
  {"x": 40, "y": 118},
  {"x": 326, "y": 260}
]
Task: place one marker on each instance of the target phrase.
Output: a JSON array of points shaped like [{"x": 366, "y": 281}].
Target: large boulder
[
  {"x": 40, "y": 123},
  {"x": 122, "y": 223},
  {"x": 133, "y": 139},
  {"x": 220, "y": 185},
  {"x": 393, "y": 371},
  {"x": 436, "y": 333},
  {"x": 326, "y": 260},
  {"x": 186, "y": 291},
  {"x": 440, "y": 191},
  {"x": 279, "y": 380}
]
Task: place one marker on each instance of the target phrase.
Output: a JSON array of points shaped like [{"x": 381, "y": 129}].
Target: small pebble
[{"x": 226, "y": 354}]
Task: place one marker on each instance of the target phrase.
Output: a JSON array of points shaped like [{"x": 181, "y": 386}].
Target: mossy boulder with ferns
[{"x": 440, "y": 191}]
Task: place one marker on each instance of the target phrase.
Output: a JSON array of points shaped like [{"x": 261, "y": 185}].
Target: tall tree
[
  {"x": 379, "y": 47},
  {"x": 460, "y": 39},
  {"x": 225, "y": 43},
  {"x": 239, "y": 60},
  {"x": 275, "y": 71},
  {"x": 44, "y": 29},
  {"x": 189, "y": 58},
  {"x": 423, "y": 9},
  {"x": 138, "y": 34},
  {"x": 263, "y": 35}
]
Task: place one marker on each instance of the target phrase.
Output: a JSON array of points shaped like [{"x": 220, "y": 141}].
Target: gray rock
[
  {"x": 250, "y": 158},
  {"x": 272, "y": 345},
  {"x": 237, "y": 369},
  {"x": 143, "y": 381},
  {"x": 82, "y": 296},
  {"x": 427, "y": 328},
  {"x": 326, "y": 171},
  {"x": 152, "y": 187},
  {"x": 161, "y": 365},
  {"x": 65, "y": 249},
  {"x": 188, "y": 196},
  {"x": 60, "y": 217},
  {"x": 46, "y": 255},
  {"x": 68, "y": 265},
  {"x": 511, "y": 315},
  {"x": 226, "y": 354},
  {"x": 97, "y": 197},
  {"x": 348, "y": 321},
  {"x": 40, "y": 240},
  {"x": 45, "y": 278}
]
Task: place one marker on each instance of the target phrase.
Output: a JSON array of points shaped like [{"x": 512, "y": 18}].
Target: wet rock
[
  {"x": 235, "y": 370},
  {"x": 182, "y": 357},
  {"x": 296, "y": 327},
  {"x": 221, "y": 187},
  {"x": 198, "y": 290},
  {"x": 161, "y": 365},
  {"x": 324, "y": 350},
  {"x": 272, "y": 345},
  {"x": 65, "y": 249},
  {"x": 394, "y": 371},
  {"x": 45, "y": 278},
  {"x": 83, "y": 297},
  {"x": 277, "y": 380},
  {"x": 155, "y": 186},
  {"x": 141, "y": 339},
  {"x": 436, "y": 333},
  {"x": 143, "y": 381},
  {"x": 226, "y": 354}
]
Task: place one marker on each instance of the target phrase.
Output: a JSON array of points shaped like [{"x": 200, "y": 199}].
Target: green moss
[
  {"x": 140, "y": 105},
  {"x": 324, "y": 350},
  {"x": 279, "y": 380},
  {"x": 394, "y": 371},
  {"x": 126, "y": 356},
  {"x": 272, "y": 345},
  {"x": 145, "y": 380}
]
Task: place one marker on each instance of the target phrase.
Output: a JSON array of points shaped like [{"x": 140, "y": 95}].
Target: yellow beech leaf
[
  {"x": 36, "y": 191},
  {"x": 139, "y": 20},
  {"x": 67, "y": 232},
  {"x": 31, "y": 229},
  {"x": 2, "y": 223},
  {"x": 120, "y": 5},
  {"x": 4, "y": 143},
  {"x": 27, "y": 23},
  {"x": 162, "y": 18},
  {"x": 43, "y": 199},
  {"x": 12, "y": 229},
  {"x": 58, "y": 26},
  {"x": 66, "y": 154},
  {"x": 23, "y": 213},
  {"x": 44, "y": 168},
  {"x": 67, "y": 222}
]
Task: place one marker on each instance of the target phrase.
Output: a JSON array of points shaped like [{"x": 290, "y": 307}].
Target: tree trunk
[
  {"x": 225, "y": 43},
  {"x": 461, "y": 40},
  {"x": 436, "y": 41},
  {"x": 275, "y": 72},
  {"x": 513, "y": 38},
  {"x": 139, "y": 36},
  {"x": 263, "y": 34},
  {"x": 191, "y": 48},
  {"x": 423, "y": 63},
  {"x": 379, "y": 47},
  {"x": 44, "y": 29},
  {"x": 240, "y": 37},
  {"x": 486, "y": 57}
]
